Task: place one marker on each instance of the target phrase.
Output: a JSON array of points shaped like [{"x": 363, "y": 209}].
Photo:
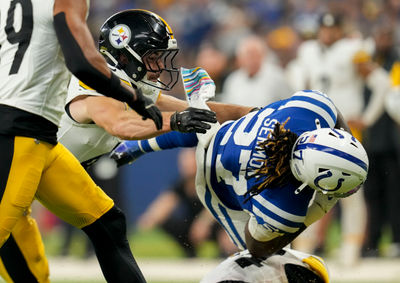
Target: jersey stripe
[
  {"x": 208, "y": 200},
  {"x": 83, "y": 85},
  {"x": 231, "y": 226},
  {"x": 335, "y": 152},
  {"x": 265, "y": 212},
  {"x": 273, "y": 222},
  {"x": 312, "y": 107},
  {"x": 319, "y": 100},
  {"x": 276, "y": 210}
]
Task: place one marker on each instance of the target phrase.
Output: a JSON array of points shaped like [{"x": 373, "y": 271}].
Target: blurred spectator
[
  {"x": 305, "y": 17},
  {"x": 326, "y": 64},
  {"x": 284, "y": 42},
  {"x": 215, "y": 63},
  {"x": 381, "y": 190},
  {"x": 258, "y": 81},
  {"x": 176, "y": 210}
]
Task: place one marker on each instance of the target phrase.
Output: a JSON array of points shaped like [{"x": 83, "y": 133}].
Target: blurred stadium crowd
[{"x": 251, "y": 48}]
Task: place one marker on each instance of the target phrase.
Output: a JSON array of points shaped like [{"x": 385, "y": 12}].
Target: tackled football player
[{"x": 270, "y": 174}]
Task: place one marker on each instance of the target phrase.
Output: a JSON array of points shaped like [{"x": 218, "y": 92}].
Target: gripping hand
[
  {"x": 145, "y": 107},
  {"x": 126, "y": 152},
  {"x": 192, "y": 120}
]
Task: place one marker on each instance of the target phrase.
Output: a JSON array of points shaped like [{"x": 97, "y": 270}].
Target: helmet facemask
[{"x": 160, "y": 70}]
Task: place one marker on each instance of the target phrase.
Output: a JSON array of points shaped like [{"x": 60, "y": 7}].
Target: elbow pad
[{"x": 78, "y": 65}]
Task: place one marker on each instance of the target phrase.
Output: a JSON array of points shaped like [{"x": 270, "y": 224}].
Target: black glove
[
  {"x": 145, "y": 107},
  {"x": 192, "y": 120}
]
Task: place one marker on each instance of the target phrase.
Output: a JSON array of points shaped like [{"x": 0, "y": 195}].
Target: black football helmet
[{"x": 139, "y": 41}]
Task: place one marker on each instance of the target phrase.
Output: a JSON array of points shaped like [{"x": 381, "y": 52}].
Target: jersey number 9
[{"x": 23, "y": 36}]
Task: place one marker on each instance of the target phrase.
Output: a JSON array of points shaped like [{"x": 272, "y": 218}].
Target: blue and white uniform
[{"x": 225, "y": 167}]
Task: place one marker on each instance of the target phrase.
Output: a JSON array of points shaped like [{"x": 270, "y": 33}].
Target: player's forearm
[
  {"x": 75, "y": 37},
  {"x": 80, "y": 53},
  {"x": 133, "y": 127},
  {"x": 226, "y": 112},
  {"x": 170, "y": 103},
  {"x": 265, "y": 249}
]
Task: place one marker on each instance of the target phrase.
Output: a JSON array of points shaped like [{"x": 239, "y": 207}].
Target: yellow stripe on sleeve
[
  {"x": 81, "y": 84},
  {"x": 85, "y": 86}
]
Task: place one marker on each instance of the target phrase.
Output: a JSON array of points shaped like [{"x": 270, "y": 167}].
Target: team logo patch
[{"x": 119, "y": 36}]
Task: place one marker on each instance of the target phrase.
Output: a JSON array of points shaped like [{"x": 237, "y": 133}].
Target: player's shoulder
[{"x": 312, "y": 101}]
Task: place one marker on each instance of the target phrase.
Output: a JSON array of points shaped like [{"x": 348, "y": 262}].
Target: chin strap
[
  {"x": 109, "y": 56},
  {"x": 299, "y": 189}
]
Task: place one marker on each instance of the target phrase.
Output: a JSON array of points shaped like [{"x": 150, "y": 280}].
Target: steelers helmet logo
[{"x": 119, "y": 36}]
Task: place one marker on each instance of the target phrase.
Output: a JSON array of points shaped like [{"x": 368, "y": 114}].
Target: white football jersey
[
  {"x": 331, "y": 70},
  {"x": 243, "y": 267},
  {"x": 89, "y": 141},
  {"x": 33, "y": 75}
]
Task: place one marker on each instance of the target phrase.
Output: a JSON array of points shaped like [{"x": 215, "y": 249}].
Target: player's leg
[
  {"x": 23, "y": 254},
  {"x": 129, "y": 151},
  {"x": 352, "y": 231},
  {"x": 22, "y": 164},
  {"x": 69, "y": 192}
]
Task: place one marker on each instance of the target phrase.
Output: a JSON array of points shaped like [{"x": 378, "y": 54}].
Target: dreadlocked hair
[{"x": 275, "y": 170}]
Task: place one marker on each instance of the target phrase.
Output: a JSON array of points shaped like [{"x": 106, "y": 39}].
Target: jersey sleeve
[
  {"x": 312, "y": 101},
  {"x": 77, "y": 88},
  {"x": 260, "y": 232}
]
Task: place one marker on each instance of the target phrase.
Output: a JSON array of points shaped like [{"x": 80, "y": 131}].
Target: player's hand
[
  {"x": 192, "y": 120},
  {"x": 126, "y": 152},
  {"x": 145, "y": 107}
]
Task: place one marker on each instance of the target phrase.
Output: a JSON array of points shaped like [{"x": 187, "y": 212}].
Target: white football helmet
[{"x": 331, "y": 161}]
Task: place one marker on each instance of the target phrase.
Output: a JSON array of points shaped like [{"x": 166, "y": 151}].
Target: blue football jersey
[{"x": 235, "y": 155}]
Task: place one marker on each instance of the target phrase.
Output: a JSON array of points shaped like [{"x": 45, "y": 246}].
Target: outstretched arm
[
  {"x": 87, "y": 64},
  {"x": 120, "y": 121},
  {"x": 224, "y": 111}
]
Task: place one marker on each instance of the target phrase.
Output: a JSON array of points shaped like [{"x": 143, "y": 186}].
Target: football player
[
  {"x": 270, "y": 174},
  {"x": 139, "y": 47},
  {"x": 42, "y": 42}
]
